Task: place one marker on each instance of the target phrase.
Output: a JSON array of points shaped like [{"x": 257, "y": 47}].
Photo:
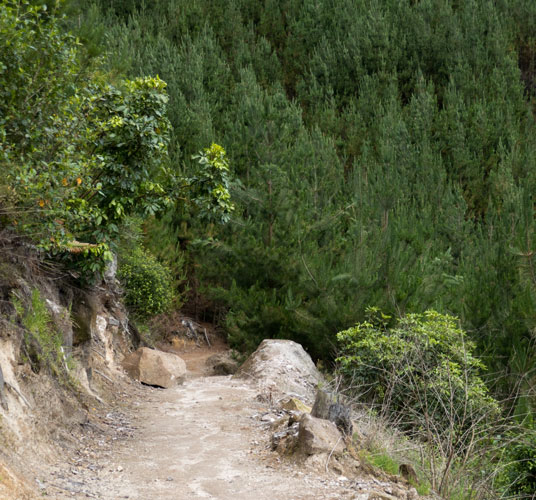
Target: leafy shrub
[
  {"x": 78, "y": 154},
  {"x": 422, "y": 374},
  {"x": 423, "y": 364},
  {"x": 211, "y": 184},
  {"x": 148, "y": 284}
]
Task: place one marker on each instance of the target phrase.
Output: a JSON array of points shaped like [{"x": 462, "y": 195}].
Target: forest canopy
[{"x": 384, "y": 155}]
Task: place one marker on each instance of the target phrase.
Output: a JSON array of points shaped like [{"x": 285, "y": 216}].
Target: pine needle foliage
[{"x": 384, "y": 154}]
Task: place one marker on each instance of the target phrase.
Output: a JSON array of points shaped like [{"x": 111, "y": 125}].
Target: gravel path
[{"x": 203, "y": 439}]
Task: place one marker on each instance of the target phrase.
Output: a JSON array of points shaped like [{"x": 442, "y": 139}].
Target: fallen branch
[
  {"x": 98, "y": 352},
  {"x": 206, "y": 337},
  {"x": 329, "y": 457}
]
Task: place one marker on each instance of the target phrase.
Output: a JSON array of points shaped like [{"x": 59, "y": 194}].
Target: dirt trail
[{"x": 203, "y": 439}]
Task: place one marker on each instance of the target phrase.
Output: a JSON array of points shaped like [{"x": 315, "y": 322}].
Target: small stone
[
  {"x": 380, "y": 495},
  {"x": 294, "y": 404},
  {"x": 222, "y": 364},
  {"x": 408, "y": 472},
  {"x": 119, "y": 468}
]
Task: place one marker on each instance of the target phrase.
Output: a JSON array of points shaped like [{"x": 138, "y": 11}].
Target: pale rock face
[
  {"x": 111, "y": 271},
  {"x": 282, "y": 366},
  {"x": 14, "y": 419},
  {"x": 99, "y": 335},
  {"x": 152, "y": 367}
]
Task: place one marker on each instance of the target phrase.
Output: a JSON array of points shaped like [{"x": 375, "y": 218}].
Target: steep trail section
[{"x": 202, "y": 440}]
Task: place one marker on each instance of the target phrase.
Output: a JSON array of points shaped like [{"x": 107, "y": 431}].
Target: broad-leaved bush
[
  {"x": 421, "y": 371},
  {"x": 80, "y": 154},
  {"x": 148, "y": 284},
  {"x": 211, "y": 184}
]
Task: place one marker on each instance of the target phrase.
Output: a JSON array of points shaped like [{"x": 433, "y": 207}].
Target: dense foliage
[
  {"x": 385, "y": 152},
  {"x": 519, "y": 474},
  {"x": 148, "y": 284},
  {"x": 421, "y": 372},
  {"x": 81, "y": 151},
  {"x": 78, "y": 154}
]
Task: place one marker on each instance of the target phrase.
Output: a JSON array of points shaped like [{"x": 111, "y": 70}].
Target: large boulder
[
  {"x": 282, "y": 366},
  {"x": 316, "y": 435},
  {"x": 152, "y": 367}
]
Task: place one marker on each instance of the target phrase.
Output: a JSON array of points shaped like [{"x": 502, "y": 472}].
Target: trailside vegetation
[
  {"x": 384, "y": 154},
  {"x": 420, "y": 375},
  {"x": 82, "y": 151},
  {"x": 148, "y": 284}
]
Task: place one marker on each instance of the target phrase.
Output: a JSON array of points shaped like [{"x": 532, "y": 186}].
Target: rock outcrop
[
  {"x": 282, "y": 366},
  {"x": 162, "y": 369},
  {"x": 328, "y": 407}
]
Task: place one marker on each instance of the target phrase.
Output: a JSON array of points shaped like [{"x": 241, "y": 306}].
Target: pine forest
[{"x": 327, "y": 171}]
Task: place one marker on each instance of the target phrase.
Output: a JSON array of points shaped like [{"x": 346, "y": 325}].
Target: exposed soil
[{"x": 203, "y": 439}]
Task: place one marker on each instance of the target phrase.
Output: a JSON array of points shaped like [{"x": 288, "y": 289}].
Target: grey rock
[
  {"x": 380, "y": 495},
  {"x": 323, "y": 400},
  {"x": 3, "y": 400},
  {"x": 341, "y": 417},
  {"x": 113, "y": 322},
  {"x": 412, "y": 494},
  {"x": 284, "y": 366},
  {"x": 328, "y": 407},
  {"x": 408, "y": 472},
  {"x": 284, "y": 441},
  {"x": 111, "y": 271},
  {"x": 222, "y": 364}
]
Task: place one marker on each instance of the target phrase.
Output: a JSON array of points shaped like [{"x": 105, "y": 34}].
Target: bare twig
[
  {"x": 21, "y": 396},
  {"x": 331, "y": 453}
]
